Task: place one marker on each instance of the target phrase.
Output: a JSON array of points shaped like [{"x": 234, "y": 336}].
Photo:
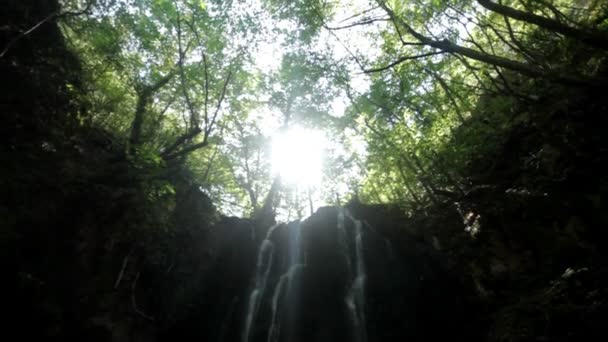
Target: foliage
[
  {"x": 177, "y": 85},
  {"x": 454, "y": 79}
]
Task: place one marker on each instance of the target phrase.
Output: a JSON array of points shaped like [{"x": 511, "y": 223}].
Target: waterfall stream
[
  {"x": 350, "y": 240},
  {"x": 332, "y": 277},
  {"x": 284, "y": 285},
  {"x": 285, "y": 281},
  {"x": 263, "y": 266},
  {"x": 355, "y": 298}
]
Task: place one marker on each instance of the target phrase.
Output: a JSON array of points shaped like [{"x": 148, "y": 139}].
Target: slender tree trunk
[{"x": 266, "y": 214}]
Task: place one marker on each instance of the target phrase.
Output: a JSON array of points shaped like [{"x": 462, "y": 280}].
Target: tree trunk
[{"x": 144, "y": 96}]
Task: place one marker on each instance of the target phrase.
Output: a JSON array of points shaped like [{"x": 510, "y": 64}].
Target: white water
[
  {"x": 263, "y": 266},
  {"x": 356, "y": 273},
  {"x": 355, "y": 298},
  {"x": 283, "y": 287},
  {"x": 356, "y": 295},
  {"x": 295, "y": 235},
  {"x": 343, "y": 242},
  {"x": 286, "y": 280}
]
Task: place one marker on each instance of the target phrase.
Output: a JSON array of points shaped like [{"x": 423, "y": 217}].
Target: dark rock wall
[{"x": 409, "y": 292}]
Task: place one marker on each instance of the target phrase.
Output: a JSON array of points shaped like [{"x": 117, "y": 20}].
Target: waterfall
[
  {"x": 343, "y": 241},
  {"x": 263, "y": 266},
  {"x": 351, "y": 241},
  {"x": 295, "y": 235},
  {"x": 286, "y": 280},
  {"x": 355, "y": 297}
]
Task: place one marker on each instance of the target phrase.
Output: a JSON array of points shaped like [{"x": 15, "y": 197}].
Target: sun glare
[{"x": 297, "y": 156}]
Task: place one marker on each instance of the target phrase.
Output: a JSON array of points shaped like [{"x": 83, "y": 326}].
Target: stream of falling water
[
  {"x": 285, "y": 281},
  {"x": 356, "y": 273},
  {"x": 284, "y": 285},
  {"x": 355, "y": 298},
  {"x": 263, "y": 266}
]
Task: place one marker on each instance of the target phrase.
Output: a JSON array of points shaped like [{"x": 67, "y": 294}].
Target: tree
[
  {"x": 177, "y": 83},
  {"x": 446, "y": 46},
  {"x": 437, "y": 59},
  {"x": 169, "y": 63}
]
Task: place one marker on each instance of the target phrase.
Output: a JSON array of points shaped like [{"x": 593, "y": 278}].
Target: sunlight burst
[{"x": 297, "y": 156}]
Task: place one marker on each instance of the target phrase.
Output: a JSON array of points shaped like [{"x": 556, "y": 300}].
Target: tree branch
[
  {"x": 401, "y": 60},
  {"x": 359, "y": 23},
  {"x": 186, "y": 150},
  {"x": 209, "y": 127},
  {"x": 594, "y": 38},
  {"x": 181, "y": 140},
  {"x": 180, "y": 63},
  {"x": 522, "y": 68},
  {"x": 54, "y": 15},
  {"x": 143, "y": 99}
]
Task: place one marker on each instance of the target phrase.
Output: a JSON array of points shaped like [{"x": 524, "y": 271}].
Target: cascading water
[
  {"x": 285, "y": 281},
  {"x": 355, "y": 298},
  {"x": 330, "y": 277},
  {"x": 284, "y": 285},
  {"x": 275, "y": 308},
  {"x": 264, "y": 264},
  {"x": 343, "y": 241}
]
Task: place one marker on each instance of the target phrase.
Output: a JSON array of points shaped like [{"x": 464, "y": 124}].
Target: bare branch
[
  {"x": 359, "y": 14},
  {"x": 180, "y": 141},
  {"x": 206, "y": 108},
  {"x": 54, "y": 15},
  {"x": 359, "y": 23},
  {"x": 401, "y": 60},
  {"x": 180, "y": 63},
  {"x": 209, "y": 127},
  {"x": 187, "y": 150}
]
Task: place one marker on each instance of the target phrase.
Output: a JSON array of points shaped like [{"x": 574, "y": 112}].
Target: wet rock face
[{"x": 329, "y": 278}]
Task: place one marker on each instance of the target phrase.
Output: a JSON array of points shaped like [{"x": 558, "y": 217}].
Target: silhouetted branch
[
  {"x": 401, "y": 60},
  {"x": 359, "y": 23},
  {"x": 55, "y": 15}
]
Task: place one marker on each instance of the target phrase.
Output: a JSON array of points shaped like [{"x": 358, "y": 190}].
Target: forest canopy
[{"x": 403, "y": 96}]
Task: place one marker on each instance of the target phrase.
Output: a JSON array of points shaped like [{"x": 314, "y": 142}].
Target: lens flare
[{"x": 297, "y": 156}]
